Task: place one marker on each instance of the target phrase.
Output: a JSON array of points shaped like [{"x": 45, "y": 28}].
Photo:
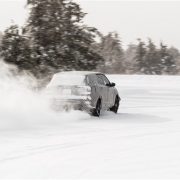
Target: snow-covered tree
[
  {"x": 111, "y": 50},
  {"x": 141, "y": 64},
  {"x": 152, "y": 59},
  {"x": 59, "y": 39},
  {"x": 175, "y": 54},
  {"x": 168, "y": 64},
  {"x": 15, "y": 48},
  {"x": 130, "y": 62},
  {"x": 1, "y": 36}
]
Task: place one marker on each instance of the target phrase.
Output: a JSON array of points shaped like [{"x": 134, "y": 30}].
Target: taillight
[
  {"x": 82, "y": 90},
  {"x": 87, "y": 89}
]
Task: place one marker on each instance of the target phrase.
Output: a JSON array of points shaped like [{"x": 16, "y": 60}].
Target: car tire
[
  {"x": 116, "y": 105},
  {"x": 97, "y": 110}
]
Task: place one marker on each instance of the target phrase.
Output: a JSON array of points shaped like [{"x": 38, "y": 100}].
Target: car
[{"x": 83, "y": 90}]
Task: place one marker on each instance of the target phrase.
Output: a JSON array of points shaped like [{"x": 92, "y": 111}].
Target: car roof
[{"x": 81, "y": 73}]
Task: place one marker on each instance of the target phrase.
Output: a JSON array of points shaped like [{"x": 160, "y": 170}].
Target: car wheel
[
  {"x": 116, "y": 105},
  {"x": 97, "y": 110}
]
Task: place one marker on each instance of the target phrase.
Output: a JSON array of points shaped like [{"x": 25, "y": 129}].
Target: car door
[
  {"x": 103, "y": 90},
  {"x": 91, "y": 81},
  {"x": 110, "y": 91}
]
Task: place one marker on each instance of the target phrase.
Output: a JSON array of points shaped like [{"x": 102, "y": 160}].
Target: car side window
[
  {"x": 102, "y": 80},
  {"x": 105, "y": 79}
]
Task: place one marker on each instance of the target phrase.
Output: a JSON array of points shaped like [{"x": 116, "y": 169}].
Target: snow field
[{"x": 141, "y": 142}]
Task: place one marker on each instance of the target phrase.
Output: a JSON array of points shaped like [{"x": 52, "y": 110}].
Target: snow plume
[{"x": 22, "y": 107}]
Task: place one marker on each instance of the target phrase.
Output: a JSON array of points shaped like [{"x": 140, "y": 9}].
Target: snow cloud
[{"x": 23, "y": 107}]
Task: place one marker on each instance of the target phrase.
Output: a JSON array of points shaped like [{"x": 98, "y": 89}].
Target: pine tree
[
  {"x": 15, "y": 48},
  {"x": 168, "y": 65},
  {"x": 110, "y": 49},
  {"x": 141, "y": 64},
  {"x": 59, "y": 38},
  {"x": 130, "y": 62},
  {"x": 1, "y": 36},
  {"x": 152, "y": 59},
  {"x": 175, "y": 54}
]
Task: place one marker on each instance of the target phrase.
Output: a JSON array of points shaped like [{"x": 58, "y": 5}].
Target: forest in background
[{"x": 54, "y": 38}]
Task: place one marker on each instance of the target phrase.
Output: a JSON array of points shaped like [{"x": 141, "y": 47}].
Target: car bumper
[{"x": 67, "y": 104}]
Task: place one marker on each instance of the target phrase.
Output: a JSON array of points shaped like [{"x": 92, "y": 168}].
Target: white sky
[
  {"x": 131, "y": 19},
  {"x": 12, "y": 10}
]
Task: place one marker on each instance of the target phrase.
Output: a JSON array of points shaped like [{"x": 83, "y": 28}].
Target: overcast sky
[{"x": 131, "y": 19}]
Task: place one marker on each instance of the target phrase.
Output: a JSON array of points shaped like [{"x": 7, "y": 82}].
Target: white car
[{"x": 90, "y": 91}]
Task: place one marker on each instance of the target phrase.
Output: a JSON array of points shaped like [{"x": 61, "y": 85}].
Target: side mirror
[{"x": 112, "y": 84}]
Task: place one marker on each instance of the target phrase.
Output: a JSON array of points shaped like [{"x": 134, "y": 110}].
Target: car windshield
[{"x": 65, "y": 79}]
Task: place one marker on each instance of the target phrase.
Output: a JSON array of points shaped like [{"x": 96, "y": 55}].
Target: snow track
[{"x": 141, "y": 142}]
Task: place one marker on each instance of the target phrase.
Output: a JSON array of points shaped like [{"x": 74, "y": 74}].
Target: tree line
[
  {"x": 54, "y": 39},
  {"x": 140, "y": 58}
]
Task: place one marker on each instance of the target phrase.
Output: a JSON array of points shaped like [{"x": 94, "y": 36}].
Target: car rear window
[
  {"x": 91, "y": 79},
  {"x": 66, "y": 79}
]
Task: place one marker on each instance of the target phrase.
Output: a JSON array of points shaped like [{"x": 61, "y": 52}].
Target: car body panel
[{"x": 81, "y": 89}]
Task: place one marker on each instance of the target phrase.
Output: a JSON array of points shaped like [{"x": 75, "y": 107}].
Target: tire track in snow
[{"x": 41, "y": 149}]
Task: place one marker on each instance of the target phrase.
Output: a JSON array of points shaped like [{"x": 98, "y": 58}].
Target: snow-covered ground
[{"x": 141, "y": 142}]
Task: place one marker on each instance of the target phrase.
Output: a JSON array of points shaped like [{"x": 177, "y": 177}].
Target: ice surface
[{"x": 141, "y": 142}]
